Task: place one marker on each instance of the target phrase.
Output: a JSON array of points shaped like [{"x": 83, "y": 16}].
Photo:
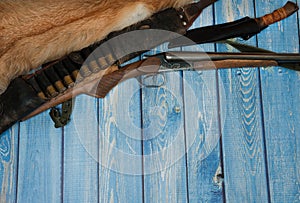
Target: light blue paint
[
  {"x": 281, "y": 96},
  {"x": 202, "y": 127},
  {"x": 120, "y": 178},
  {"x": 245, "y": 176},
  {"x": 80, "y": 169},
  {"x": 258, "y": 119},
  {"x": 39, "y": 167},
  {"x": 8, "y": 164}
]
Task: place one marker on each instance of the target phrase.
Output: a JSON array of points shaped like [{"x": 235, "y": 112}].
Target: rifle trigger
[
  {"x": 155, "y": 80},
  {"x": 62, "y": 118}
]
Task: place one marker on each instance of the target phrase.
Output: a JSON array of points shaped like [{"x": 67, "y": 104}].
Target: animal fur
[{"x": 33, "y": 32}]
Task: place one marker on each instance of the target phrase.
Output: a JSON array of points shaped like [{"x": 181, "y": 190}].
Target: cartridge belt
[{"x": 27, "y": 93}]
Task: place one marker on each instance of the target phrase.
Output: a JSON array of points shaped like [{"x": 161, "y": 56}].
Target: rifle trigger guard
[
  {"x": 62, "y": 118},
  {"x": 154, "y": 78}
]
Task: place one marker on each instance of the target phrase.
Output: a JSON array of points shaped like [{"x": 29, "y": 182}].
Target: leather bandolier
[
  {"x": 54, "y": 80},
  {"x": 59, "y": 81}
]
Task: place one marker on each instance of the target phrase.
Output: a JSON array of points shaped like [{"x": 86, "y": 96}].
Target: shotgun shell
[
  {"x": 72, "y": 68},
  {"x": 64, "y": 74},
  {"x": 34, "y": 84},
  {"x": 55, "y": 79},
  {"x": 85, "y": 71},
  {"x": 94, "y": 67},
  {"x": 110, "y": 59},
  {"x": 102, "y": 62},
  {"x": 46, "y": 85}
]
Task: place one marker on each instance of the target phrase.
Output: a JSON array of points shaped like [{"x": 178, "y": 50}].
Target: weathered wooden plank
[
  {"x": 202, "y": 127},
  {"x": 8, "y": 165},
  {"x": 41, "y": 172},
  {"x": 163, "y": 138},
  {"x": 120, "y": 153},
  {"x": 163, "y": 145},
  {"x": 281, "y": 97},
  {"x": 242, "y": 131},
  {"x": 298, "y": 20},
  {"x": 202, "y": 132},
  {"x": 80, "y": 174},
  {"x": 39, "y": 168}
]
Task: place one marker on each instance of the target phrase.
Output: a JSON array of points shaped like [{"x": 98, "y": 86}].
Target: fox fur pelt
[{"x": 33, "y": 32}]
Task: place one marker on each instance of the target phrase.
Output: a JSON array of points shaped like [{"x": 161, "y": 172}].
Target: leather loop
[{"x": 62, "y": 118}]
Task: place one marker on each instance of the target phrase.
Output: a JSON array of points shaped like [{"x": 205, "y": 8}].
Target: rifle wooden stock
[
  {"x": 34, "y": 32},
  {"x": 54, "y": 83},
  {"x": 100, "y": 84},
  {"x": 232, "y": 63},
  {"x": 97, "y": 81},
  {"x": 175, "y": 20}
]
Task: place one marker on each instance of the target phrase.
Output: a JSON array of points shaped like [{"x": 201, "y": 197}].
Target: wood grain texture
[
  {"x": 163, "y": 134},
  {"x": 101, "y": 155},
  {"x": 80, "y": 168},
  {"x": 242, "y": 128},
  {"x": 298, "y": 15},
  {"x": 202, "y": 127},
  {"x": 39, "y": 168},
  {"x": 203, "y": 157},
  {"x": 281, "y": 96},
  {"x": 120, "y": 145},
  {"x": 9, "y": 164}
]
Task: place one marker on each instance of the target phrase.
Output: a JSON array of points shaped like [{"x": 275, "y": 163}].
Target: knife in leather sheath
[{"x": 244, "y": 28}]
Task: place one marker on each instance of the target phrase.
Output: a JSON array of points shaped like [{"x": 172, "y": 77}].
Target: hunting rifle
[{"x": 60, "y": 81}]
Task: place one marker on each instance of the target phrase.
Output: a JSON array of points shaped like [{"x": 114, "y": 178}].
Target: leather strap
[
  {"x": 29, "y": 94},
  {"x": 18, "y": 101}
]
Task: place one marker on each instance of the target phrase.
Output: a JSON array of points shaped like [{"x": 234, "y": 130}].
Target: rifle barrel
[{"x": 212, "y": 56}]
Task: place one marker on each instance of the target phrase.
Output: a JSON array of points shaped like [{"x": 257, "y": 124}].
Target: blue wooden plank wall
[
  {"x": 201, "y": 136},
  {"x": 241, "y": 121}
]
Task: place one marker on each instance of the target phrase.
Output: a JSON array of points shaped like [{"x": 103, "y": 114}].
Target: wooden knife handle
[{"x": 288, "y": 9}]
